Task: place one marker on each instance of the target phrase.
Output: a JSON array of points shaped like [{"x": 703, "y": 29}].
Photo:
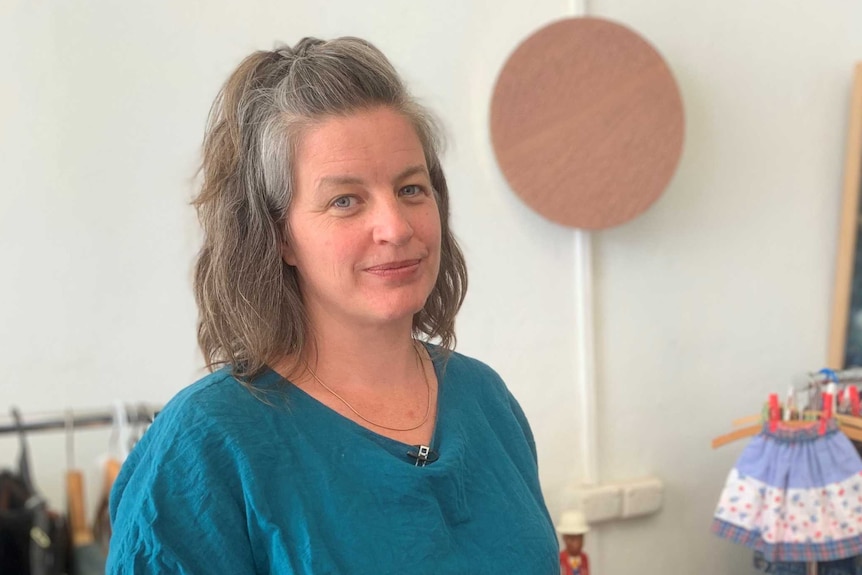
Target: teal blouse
[{"x": 227, "y": 481}]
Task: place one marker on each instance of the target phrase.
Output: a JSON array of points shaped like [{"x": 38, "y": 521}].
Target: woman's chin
[{"x": 394, "y": 312}]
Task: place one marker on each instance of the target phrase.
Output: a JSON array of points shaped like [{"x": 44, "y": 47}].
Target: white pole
[
  {"x": 585, "y": 369},
  {"x": 585, "y": 331}
]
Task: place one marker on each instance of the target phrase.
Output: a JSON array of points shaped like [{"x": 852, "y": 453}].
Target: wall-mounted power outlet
[
  {"x": 642, "y": 496},
  {"x": 607, "y": 501},
  {"x": 598, "y": 502}
]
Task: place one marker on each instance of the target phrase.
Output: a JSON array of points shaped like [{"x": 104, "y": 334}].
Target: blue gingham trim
[
  {"x": 797, "y": 434},
  {"x": 826, "y": 551}
]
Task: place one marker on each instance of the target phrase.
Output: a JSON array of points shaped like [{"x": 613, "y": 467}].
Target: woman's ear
[{"x": 287, "y": 253}]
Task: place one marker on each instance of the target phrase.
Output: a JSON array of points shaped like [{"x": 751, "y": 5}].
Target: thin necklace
[{"x": 362, "y": 417}]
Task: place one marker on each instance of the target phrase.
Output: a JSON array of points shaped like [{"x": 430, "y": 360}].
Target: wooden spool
[{"x": 587, "y": 123}]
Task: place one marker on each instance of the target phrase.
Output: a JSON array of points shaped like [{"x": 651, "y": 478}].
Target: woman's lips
[{"x": 395, "y": 269}]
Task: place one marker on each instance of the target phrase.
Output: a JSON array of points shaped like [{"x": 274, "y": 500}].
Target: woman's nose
[{"x": 391, "y": 224}]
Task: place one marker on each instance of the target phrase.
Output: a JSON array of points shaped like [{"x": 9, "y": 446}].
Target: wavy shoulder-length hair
[{"x": 250, "y": 306}]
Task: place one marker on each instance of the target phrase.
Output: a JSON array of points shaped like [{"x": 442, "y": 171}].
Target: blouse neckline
[{"x": 394, "y": 446}]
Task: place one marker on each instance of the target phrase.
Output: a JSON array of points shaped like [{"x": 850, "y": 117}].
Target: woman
[{"x": 331, "y": 437}]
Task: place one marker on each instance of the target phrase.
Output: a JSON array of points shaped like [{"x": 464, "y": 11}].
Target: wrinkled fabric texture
[{"x": 226, "y": 481}]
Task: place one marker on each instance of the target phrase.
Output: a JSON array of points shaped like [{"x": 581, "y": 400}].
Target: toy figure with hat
[{"x": 573, "y": 560}]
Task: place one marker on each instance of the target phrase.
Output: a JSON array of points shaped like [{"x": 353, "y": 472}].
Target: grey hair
[{"x": 250, "y": 307}]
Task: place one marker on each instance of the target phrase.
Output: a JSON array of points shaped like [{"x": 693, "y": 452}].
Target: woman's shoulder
[
  {"x": 460, "y": 367},
  {"x": 209, "y": 388},
  {"x": 220, "y": 397},
  {"x": 186, "y": 470},
  {"x": 479, "y": 384},
  {"x": 207, "y": 425},
  {"x": 217, "y": 408},
  {"x": 467, "y": 377}
]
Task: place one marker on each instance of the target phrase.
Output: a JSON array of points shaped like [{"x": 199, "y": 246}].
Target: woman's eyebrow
[
  {"x": 411, "y": 171},
  {"x": 336, "y": 181}
]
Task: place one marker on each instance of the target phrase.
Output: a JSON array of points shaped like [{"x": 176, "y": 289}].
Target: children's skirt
[{"x": 795, "y": 495}]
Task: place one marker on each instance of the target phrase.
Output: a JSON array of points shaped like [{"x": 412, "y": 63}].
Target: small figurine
[{"x": 573, "y": 561}]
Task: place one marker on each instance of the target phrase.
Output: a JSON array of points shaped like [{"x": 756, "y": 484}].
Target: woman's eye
[
  {"x": 343, "y": 202},
  {"x": 411, "y": 191}
]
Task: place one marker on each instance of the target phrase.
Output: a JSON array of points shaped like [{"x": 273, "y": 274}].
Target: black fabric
[
  {"x": 15, "y": 524},
  {"x": 33, "y": 540}
]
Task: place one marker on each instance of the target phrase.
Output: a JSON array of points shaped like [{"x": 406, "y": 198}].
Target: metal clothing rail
[
  {"x": 852, "y": 375},
  {"x": 137, "y": 414}
]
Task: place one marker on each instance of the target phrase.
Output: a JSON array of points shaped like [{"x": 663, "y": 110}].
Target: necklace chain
[{"x": 362, "y": 417}]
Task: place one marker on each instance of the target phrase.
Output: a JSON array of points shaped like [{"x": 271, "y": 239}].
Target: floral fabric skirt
[{"x": 795, "y": 495}]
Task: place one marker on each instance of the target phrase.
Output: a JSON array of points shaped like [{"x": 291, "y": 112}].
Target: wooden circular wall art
[{"x": 587, "y": 123}]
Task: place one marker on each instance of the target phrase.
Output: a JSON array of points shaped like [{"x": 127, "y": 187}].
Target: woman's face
[{"x": 364, "y": 229}]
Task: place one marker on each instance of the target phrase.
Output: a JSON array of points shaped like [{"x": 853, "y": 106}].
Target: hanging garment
[
  {"x": 795, "y": 494},
  {"x": 849, "y": 566},
  {"x": 33, "y": 539},
  {"x": 102, "y": 521}
]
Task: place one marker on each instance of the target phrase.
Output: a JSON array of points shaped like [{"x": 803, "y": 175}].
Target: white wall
[{"x": 717, "y": 295}]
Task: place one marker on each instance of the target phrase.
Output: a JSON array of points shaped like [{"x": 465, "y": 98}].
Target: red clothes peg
[
  {"x": 827, "y": 412},
  {"x": 774, "y": 411},
  {"x": 853, "y": 391}
]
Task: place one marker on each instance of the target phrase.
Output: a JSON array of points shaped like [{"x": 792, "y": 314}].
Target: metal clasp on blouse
[{"x": 423, "y": 455}]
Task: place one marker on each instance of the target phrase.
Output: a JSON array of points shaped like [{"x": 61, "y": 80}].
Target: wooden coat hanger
[
  {"x": 119, "y": 446},
  {"x": 88, "y": 557},
  {"x": 850, "y": 425},
  {"x": 81, "y": 534}
]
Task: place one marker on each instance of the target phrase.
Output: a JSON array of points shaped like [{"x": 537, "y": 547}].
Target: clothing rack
[
  {"x": 137, "y": 414},
  {"x": 815, "y": 384},
  {"x": 852, "y": 375},
  {"x": 817, "y": 380}
]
